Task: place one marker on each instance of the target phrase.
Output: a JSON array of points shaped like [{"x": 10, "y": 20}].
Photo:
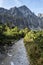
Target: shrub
[
  {"x": 34, "y": 45},
  {"x": 40, "y": 61},
  {"x": 34, "y": 52}
]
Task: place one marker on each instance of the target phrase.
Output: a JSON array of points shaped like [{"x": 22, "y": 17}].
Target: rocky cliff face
[{"x": 21, "y": 17}]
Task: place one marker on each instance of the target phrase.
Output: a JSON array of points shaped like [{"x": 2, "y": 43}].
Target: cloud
[
  {"x": 18, "y": 2},
  {"x": 1, "y": 3}
]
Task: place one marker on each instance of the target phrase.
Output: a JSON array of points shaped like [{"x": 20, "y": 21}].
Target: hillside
[{"x": 21, "y": 17}]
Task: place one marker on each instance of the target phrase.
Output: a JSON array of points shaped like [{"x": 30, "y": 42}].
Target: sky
[{"x": 35, "y": 6}]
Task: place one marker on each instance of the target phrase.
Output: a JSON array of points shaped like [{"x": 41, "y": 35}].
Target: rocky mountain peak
[
  {"x": 26, "y": 11},
  {"x": 21, "y": 16}
]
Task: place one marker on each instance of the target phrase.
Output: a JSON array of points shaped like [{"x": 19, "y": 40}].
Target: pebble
[
  {"x": 9, "y": 54},
  {"x": 12, "y": 63}
]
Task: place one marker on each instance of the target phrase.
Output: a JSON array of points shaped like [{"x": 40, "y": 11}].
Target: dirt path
[{"x": 16, "y": 55}]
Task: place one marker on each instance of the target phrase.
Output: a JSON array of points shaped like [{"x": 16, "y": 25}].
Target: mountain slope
[{"x": 21, "y": 17}]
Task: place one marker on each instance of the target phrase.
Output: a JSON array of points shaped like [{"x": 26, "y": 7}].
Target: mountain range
[{"x": 20, "y": 16}]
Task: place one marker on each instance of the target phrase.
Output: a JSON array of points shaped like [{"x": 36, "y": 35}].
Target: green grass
[{"x": 33, "y": 42}]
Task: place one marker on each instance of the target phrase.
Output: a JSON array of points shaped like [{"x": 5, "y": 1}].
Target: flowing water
[{"x": 15, "y": 56}]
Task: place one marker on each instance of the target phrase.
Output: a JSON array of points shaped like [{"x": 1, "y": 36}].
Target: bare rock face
[{"x": 21, "y": 17}]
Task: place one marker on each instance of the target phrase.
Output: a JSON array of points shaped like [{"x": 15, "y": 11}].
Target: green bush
[
  {"x": 40, "y": 61},
  {"x": 34, "y": 53},
  {"x": 7, "y": 34},
  {"x": 34, "y": 45}
]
